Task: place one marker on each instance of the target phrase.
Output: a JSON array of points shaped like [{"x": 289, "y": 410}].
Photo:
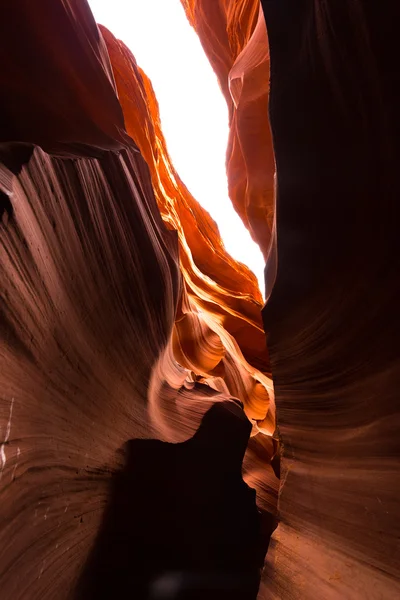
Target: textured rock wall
[
  {"x": 332, "y": 320},
  {"x": 234, "y": 37},
  {"x": 121, "y": 314},
  {"x": 220, "y": 295}
]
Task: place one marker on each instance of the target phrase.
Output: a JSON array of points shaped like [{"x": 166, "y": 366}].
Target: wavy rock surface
[
  {"x": 119, "y": 319},
  {"x": 121, "y": 314},
  {"x": 332, "y": 319},
  {"x": 234, "y": 37},
  {"x": 218, "y": 326}
]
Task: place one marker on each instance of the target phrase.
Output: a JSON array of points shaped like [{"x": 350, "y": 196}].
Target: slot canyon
[{"x": 157, "y": 409}]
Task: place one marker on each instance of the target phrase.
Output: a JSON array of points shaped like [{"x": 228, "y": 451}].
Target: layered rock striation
[{"x": 122, "y": 316}]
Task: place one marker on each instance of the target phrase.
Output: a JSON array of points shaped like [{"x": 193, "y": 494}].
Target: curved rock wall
[
  {"x": 234, "y": 37},
  {"x": 221, "y": 301},
  {"x": 121, "y": 314},
  {"x": 332, "y": 319}
]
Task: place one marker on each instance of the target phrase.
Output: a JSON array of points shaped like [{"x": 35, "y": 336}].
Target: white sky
[{"x": 193, "y": 110}]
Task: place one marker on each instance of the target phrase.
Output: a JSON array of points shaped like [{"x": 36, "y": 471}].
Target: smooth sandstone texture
[
  {"x": 86, "y": 365},
  {"x": 332, "y": 320},
  {"x": 75, "y": 356},
  {"x": 57, "y": 80},
  {"x": 234, "y": 37},
  {"x": 218, "y": 327},
  {"x": 113, "y": 326},
  {"x": 121, "y": 314}
]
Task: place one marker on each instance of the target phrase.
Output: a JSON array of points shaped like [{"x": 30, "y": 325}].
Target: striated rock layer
[
  {"x": 234, "y": 37},
  {"x": 218, "y": 327},
  {"x": 332, "y": 320},
  {"x": 121, "y": 314}
]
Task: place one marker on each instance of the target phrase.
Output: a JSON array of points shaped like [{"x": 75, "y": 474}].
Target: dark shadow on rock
[
  {"x": 15, "y": 155},
  {"x": 181, "y": 522},
  {"x": 6, "y": 208}
]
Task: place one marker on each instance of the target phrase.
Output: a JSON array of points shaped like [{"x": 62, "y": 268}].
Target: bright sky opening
[{"x": 193, "y": 111}]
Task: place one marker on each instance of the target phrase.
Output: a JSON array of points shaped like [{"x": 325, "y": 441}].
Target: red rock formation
[
  {"x": 113, "y": 325},
  {"x": 72, "y": 103},
  {"x": 332, "y": 319},
  {"x": 234, "y": 37},
  {"x": 220, "y": 295}
]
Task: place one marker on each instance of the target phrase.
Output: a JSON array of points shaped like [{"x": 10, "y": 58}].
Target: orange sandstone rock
[
  {"x": 234, "y": 37},
  {"x": 121, "y": 314},
  {"x": 222, "y": 301}
]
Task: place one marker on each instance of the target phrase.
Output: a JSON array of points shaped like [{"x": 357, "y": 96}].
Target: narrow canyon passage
[{"x": 126, "y": 327}]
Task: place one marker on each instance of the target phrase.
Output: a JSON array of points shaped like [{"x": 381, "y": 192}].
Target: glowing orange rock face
[
  {"x": 218, "y": 327},
  {"x": 109, "y": 329},
  {"x": 234, "y": 37}
]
